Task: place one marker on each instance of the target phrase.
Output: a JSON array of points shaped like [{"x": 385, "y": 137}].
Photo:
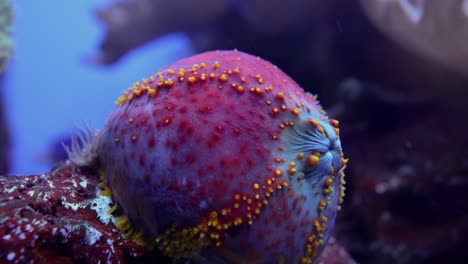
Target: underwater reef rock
[
  {"x": 409, "y": 189},
  {"x": 301, "y": 41},
  {"x": 334, "y": 41},
  {"x": 434, "y": 29},
  {"x": 131, "y": 23},
  {"x": 6, "y": 43},
  {"x": 59, "y": 217}
]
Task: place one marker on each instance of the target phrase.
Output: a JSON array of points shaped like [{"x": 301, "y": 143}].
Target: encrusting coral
[{"x": 6, "y": 43}]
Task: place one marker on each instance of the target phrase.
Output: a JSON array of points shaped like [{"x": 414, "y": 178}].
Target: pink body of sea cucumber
[{"x": 221, "y": 156}]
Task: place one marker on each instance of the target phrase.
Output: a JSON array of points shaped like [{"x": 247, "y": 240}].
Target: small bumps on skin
[{"x": 221, "y": 156}]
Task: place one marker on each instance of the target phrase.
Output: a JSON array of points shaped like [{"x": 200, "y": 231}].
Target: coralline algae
[
  {"x": 54, "y": 218},
  {"x": 222, "y": 157}
]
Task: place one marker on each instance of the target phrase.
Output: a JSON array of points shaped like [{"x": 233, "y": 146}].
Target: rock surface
[
  {"x": 59, "y": 217},
  {"x": 407, "y": 192}
]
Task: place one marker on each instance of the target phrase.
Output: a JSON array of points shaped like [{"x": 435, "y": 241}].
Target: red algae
[{"x": 222, "y": 157}]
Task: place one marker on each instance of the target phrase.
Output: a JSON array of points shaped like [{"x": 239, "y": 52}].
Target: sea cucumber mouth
[
  {"x": 317, "y": 140},
  {"x": 315, "y": 164}
]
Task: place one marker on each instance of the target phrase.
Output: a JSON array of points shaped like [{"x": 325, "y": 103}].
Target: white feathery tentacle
[{"x": 82, "y": 150}]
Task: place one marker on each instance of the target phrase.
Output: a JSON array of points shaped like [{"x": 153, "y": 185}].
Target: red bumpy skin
[{"x": 221, "y": 156}]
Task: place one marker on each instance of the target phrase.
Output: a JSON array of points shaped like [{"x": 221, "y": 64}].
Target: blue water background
[{"x": 49, "y": 86}]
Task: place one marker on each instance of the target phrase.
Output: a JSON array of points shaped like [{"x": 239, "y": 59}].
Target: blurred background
[
  {"x": 51, "y": 84},
  {"x": 394, "y": 72}
]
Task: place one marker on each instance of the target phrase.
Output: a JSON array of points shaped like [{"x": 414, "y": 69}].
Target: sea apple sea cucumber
[{"x": 222, "y": 157}]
